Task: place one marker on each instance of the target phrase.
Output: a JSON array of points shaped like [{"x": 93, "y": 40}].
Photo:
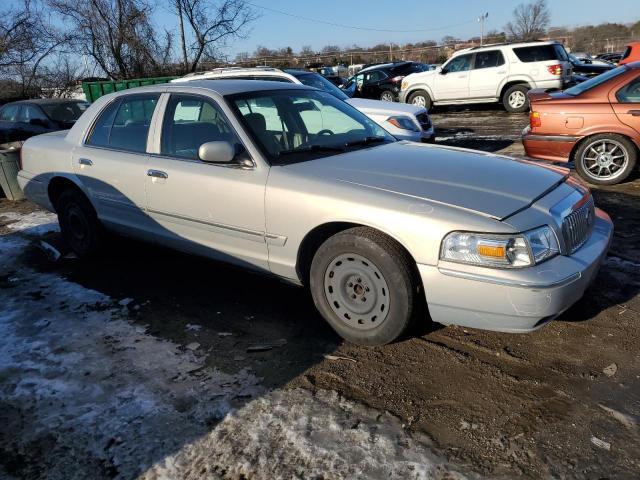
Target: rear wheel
[
  {"x": 362, "y": 284},
  {"x": 605, "y": 159},
  {"x": 79, "y": 223},
  {"x": 420, "y": 98},
  {"x": 387, "y": 96},
  {"x": 515, "y": 99}
]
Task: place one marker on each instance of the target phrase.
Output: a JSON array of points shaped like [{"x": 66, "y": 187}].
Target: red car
[
  {"x": 595, "y": 124},
  {"x": 631, "y": 54}
]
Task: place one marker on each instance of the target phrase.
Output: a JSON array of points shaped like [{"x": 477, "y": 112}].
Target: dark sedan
[
  {"x": 587, "y": 68},
  {"x": 381, "y": 82},
  {"x": 26, "y": 118}
]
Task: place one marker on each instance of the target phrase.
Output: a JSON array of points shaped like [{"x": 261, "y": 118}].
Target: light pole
[{"x": 481, "y": 19}]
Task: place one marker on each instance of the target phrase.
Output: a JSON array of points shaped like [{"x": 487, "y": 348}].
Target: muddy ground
[{"x": 562, "y": 402}]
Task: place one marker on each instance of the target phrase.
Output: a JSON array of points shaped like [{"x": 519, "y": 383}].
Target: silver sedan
[{"x": 289, "y": 180}]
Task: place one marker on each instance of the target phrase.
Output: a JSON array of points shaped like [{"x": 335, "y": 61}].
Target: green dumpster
[
  {"x": 94, "y": 90},
  {"x": 9, "y": 166}
]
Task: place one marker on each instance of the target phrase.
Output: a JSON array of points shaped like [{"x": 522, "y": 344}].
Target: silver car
[{"x": 289, "y": 180}]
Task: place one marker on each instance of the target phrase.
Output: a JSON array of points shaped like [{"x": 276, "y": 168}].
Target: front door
[
  {"x": 208, "y": 208},
  {"x": 112, "y": 162},
  {"x": 452, "y": 83}
]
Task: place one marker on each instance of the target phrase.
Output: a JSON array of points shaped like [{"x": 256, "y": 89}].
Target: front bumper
[
  {"x": 556, "y": 148},
  {"x": 517, "y": 300},
  {"x": 424, "y": 135}
]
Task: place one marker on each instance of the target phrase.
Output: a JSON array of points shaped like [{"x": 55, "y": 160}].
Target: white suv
[
  {"x": 492, "y": 73},
  {"x": 405, "y": 122}
]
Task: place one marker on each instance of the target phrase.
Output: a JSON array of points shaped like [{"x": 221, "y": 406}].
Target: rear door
[
  {"x": 488, "y": 71},
  {"x": 112, "y": 161},
  {"x": 626, "y": 103},
  {"x": 454, "y": 84}
]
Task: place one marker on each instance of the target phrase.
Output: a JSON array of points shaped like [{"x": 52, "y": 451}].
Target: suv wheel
[
  {"x": 605, "y": 159},
  {"x": 79, "y": 223},
  {"x": 515, "y": 99},
  {"x": 362, "y": 284},
  {"x": 387, "y": 96},
  {"x": 420, "y": 98}
]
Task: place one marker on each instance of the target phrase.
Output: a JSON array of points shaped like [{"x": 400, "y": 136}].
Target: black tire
[
  {"x": 591, "y": 147},
  {"x": 369, "y": 254},
  {"x": 421, "y": 99},
  {"x": 79, "y": 223},
  {"x": 387, "y": 96},
  {"x": 510, "y": 96}
]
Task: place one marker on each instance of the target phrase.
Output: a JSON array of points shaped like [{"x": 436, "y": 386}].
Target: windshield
[
  {"x": 66, "y": 112},
  {"x": 318, "y": 81},
  {"x": 594, "y": 82},
  {"x": 298, "y": 125}
]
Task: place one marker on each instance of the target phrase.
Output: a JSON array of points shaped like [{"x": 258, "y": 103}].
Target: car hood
[
  {"x": 487, "y": 184},
  {"x": 388, "y": 108}
]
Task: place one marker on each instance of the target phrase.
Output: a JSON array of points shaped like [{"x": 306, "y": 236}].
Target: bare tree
[
  {"x": 529, "y": 21},
  {"x": 61, "y": 77},
  {"x": 118, "y": 35},
  {"x": 212, "y": 24}
]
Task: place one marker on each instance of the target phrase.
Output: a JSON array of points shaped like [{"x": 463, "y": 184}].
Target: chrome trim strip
[
  {"x": 509, "y": 283},
  {"x": 550, "y": 138},
  {"x": 254, "y": 233}
]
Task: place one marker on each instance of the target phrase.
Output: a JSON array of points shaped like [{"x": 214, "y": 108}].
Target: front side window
[
  {"x": 630, "y": 93},
  {"x": 124, "y": 124},
  {"x": 489, "y": 59},
  {"x": 459, "y": 64},
  {"x": 9, "y": 113},
  {"x": 189, "y": 122},
  {"x": 296, "y": 125}
]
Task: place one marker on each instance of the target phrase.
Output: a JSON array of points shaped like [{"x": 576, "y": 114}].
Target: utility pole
[
  {"x": 481, "y": 19},
  {"x": 390, "y": 53}
]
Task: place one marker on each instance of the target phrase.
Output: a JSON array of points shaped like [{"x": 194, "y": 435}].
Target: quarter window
[
  {"x": 191, "y": 121},
  {"x": 124, "y": 124},
  {"x": 540, "y": 53},
  {"x": 492, "y": 58},
  {"x": 630, "y": 93}
]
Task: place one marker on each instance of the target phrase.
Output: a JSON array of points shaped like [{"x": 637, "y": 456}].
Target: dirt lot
[{"x": 563, "y": 402}]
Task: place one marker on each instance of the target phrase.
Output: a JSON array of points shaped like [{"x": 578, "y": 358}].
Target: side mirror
[
  {"x": 217, "y": 152},
  {"x": 443, "y": 71}
]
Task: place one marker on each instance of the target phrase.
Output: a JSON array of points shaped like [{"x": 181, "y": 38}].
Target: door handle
[
  {"x": 157, "y": 174},
  {"x": 634, "y": 113},
  {"x": 85, "y": 161}
]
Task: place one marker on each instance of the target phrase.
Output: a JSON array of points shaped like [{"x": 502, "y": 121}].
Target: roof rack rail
[{"x": 502, "y": 44}]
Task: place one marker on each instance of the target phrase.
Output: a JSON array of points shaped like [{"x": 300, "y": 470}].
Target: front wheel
[
  {"x": 515, "y": 99},
  {"x": 420, "y": 98},
  {"x": 362, "y": 284},
  {"x": 605, "y": 159}
]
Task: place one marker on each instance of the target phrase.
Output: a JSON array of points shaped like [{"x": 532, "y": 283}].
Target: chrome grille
[{"x": 577, "y": 226}]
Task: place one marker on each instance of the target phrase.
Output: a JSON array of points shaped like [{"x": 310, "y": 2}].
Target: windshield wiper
[
  {"x": 312, "y": 148},
  {"x": 365, "y": 141}
]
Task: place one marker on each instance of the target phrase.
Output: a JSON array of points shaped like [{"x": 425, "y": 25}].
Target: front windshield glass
[
  {"x": 318, "y": 81},
  {"x": 594, "y": 82},
  {"x": 299, "y": 125}
]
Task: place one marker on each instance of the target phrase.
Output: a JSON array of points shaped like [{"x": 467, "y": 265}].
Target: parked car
[
  {"x": 595, "y": 124},
  {"x": 612, "y": 58},
  {"x": 336, "y": 80},
  {"x": 26, "y": 118},
  {"x": 631, "y": 54},
  {"x": 412, "y": 123},
  {"x": 492, "y": 73},
  {"x": 380, "y": 231},
  {"x": 588, "y": 68},
  {"x": 381, "y": 81}
]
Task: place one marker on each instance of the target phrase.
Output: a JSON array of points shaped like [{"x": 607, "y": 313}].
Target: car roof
[
  {"x": 47, "y": 101},
  {"x": 231, "y": 87},
  {"x": 381, "y": 66}
]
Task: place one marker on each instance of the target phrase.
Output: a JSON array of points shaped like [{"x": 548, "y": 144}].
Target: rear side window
[
  {"x": 190, "y": 121},
  {"x": 537, "y": 53},
  {"x": 630, "y": 93},
  {"x": 124, "y": 124},
  {"x": 29, "y": 112},
  {"x": 375, "y": 76},
  {"x": 489, "y": 59}
]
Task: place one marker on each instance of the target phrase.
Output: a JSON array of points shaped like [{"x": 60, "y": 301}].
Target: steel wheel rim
[
  {"x": 420, "y": 101},
  {"x": 517, "y": 99},
  {"x": 604, "y": 159},
  {"x": 356, "y": 291},
  {"x": 386, "y": 97}
]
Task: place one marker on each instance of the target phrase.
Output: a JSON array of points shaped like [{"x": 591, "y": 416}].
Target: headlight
[
  {"x": 505, "y": 251},
  {"x": 404, "y": 123},
  {"x": 404, "y": 85}
]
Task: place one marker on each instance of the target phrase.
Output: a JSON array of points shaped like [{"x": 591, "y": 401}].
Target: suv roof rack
[
  {"x": 233, "y": 69},
  {"x": 503, "y": 44}
]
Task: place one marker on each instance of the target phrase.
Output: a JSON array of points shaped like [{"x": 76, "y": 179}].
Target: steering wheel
[{"x": 325, "y": 131}]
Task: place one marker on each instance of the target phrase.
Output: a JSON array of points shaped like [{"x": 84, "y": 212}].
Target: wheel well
[
  {"x": 57, "y": 185},
  {"x": 508, "y": 85},
  {"x": 320, "y": 234},
  {"x": 418, "y": 89},
  {"x": 583, "y": 139}
]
